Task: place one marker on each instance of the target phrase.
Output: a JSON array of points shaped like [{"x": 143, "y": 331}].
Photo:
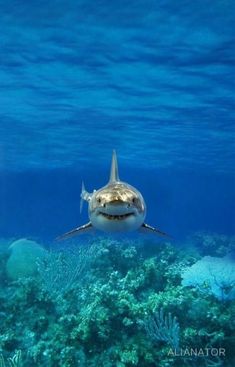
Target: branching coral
[
  {"x": 162, "y": 327},
  {"x": 15, "y": 361},
  {"x": 60, "y": 270}
]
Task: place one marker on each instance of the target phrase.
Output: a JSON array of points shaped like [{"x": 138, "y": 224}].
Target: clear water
[{"x": 152, "y": 79}]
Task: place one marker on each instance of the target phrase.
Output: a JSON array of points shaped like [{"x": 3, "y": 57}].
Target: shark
[{"x": 116, "y": 207}]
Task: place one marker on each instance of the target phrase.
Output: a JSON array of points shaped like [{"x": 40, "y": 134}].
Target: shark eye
[
  {"x": 133, "y": 200},
  {"x": 98, "y": 200}
]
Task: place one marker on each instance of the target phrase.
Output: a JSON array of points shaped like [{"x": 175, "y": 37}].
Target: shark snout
[{"x": 117, "y": 202}]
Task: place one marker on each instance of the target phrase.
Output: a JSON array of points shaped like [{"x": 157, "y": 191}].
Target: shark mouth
[{"x": 116, "y": 217}]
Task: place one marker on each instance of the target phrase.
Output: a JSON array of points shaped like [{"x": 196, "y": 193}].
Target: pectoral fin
[
  {"x": 74, "y": 232},
  {"x": 147, "y": 229}
]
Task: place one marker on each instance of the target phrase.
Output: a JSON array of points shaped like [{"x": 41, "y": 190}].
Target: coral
[
  {"x": 213, "y": 244},
  {"x": 60, "y": 270},
  {"x": 214, "y": 274},
  {"x": 163, "y": 328},
  {"x": 15, "y": 361},
  {"x": 23, "y": 259},
  {"x": 96, "y": 317}
]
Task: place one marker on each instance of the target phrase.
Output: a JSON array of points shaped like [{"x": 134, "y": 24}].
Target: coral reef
[
  {"x": 89, "y": 305},
  {"x": 213, "y": 244}
]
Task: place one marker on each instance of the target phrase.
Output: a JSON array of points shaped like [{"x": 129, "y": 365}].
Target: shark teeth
[{"x": 116, "y": 217}]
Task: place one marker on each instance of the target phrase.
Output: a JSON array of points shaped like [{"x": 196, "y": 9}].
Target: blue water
[{"x": 152, "y": 79}]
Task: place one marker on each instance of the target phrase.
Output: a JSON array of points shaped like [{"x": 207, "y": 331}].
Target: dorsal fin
[{"x": 114, "y": 169}]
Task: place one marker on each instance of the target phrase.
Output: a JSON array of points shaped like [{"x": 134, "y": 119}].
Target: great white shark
[{"x": 116, "y": 207}]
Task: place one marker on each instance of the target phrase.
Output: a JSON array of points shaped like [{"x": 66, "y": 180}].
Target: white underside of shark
[{"x": 116, "y": 207}]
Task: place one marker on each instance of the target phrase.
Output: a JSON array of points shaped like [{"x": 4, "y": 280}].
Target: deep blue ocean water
[{"x": 152, "y": 79}]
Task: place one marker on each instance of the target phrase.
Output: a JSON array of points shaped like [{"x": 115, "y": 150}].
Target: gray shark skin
[{"x": 116, "y": 207}]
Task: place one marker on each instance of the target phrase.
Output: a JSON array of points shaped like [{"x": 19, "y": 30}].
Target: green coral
[{"x": 15, "y": 361}]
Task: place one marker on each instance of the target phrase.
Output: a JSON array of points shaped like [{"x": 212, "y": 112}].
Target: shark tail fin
[{"x": 114, "y": 168}]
